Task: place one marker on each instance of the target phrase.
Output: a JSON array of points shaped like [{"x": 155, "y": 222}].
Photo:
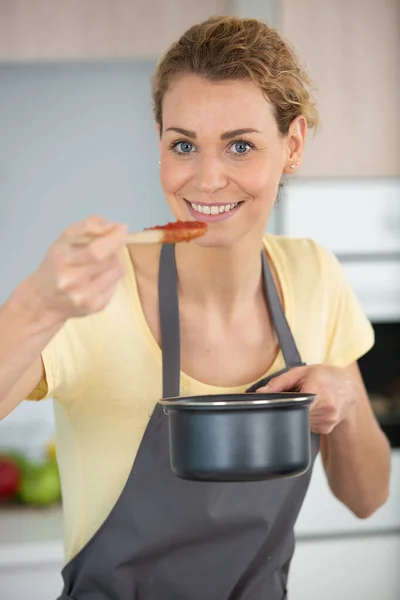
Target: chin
[
  {"x": 219, "y": 239},
  {"x": 213, "y": 241}
]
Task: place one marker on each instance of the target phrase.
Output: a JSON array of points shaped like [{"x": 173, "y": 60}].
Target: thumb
[{"x": 287, "y": 382}]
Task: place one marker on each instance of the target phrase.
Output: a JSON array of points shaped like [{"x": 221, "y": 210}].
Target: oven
[
  {"x": 375, "y": 279},
  {"x": 380, "y": 368}
]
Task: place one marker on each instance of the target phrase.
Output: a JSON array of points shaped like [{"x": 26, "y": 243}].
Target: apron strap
[
  {"x": 169, "y": 322},
  {"x": 288, "y": 346}
]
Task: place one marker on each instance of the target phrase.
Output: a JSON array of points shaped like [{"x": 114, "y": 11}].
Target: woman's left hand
[{"x": 337, "y": 393}]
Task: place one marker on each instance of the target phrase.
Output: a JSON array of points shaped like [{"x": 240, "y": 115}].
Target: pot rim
[{"x": 239, "y": 401}]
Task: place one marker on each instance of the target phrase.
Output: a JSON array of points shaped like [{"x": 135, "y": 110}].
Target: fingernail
[{"x": 262, "y": 390}]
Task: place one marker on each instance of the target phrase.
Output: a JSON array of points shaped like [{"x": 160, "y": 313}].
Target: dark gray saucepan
[{"x": 239, "y": 437}]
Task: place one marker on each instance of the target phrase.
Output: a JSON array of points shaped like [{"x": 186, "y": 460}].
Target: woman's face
[{"x": 222, "y": 156}]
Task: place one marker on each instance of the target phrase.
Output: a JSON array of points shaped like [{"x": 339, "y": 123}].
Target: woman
[{"x": 232, "y": 107}]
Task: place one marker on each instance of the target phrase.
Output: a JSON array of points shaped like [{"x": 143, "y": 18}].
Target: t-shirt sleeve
[
  {"x": 350, "y": 335},
  {"x": 69, "y": 360}
]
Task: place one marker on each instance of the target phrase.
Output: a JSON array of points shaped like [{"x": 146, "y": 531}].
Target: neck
[{"x": 223, "y": 276}]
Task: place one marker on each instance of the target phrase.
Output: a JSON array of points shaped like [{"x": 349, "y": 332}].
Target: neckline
[{"x": 186, "y": 380}]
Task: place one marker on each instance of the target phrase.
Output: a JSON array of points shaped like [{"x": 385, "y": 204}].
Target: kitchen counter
[
  {"x": 31, "y": 553},
  {"x": 30, "y": 536}
]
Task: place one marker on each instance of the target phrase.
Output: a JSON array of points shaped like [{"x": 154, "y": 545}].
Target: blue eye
[
  {"x": 240, "y": 147},
  {"x": 183, "y": 147}
]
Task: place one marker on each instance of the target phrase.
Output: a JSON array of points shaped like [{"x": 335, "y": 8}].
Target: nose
[{"x": 210, "y": 175}]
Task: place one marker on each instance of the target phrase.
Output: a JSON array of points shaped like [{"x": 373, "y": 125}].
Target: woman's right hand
[{"x": 78, "y": 280}]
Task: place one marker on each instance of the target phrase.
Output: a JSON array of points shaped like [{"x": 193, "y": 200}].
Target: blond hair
[{"x": 226, "y": 48}]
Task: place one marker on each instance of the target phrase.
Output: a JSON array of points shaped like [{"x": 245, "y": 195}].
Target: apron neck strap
[
  {"x": 169, "y": 320},
  {"x": 286, "y": 340}
]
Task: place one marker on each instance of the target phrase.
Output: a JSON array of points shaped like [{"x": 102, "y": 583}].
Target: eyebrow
[{"x": 224, "y": 136}]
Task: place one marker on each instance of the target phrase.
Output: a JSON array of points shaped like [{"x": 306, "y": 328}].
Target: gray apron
[{"x": 171, "y": 539}]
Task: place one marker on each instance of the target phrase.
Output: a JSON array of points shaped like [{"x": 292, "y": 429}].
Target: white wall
[{"x": 75, "y": 139}]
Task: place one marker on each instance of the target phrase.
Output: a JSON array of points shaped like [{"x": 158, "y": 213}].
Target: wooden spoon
[{"x": 172, "y": 233}]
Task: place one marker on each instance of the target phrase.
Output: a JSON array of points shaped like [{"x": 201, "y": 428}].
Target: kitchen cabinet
[
  {"x": 339, "y": 556},
  {"x": 359, "y": 221},
  {"x": 360, "y": 217},
  {"x": 377, "y": 285},
  {"x": 36, "y": 580},
  {"x": 355, "y": 568},
  {"x": 352, "y": 51},
  {"x": 31, "y": 553},
  {"x": 50, "y": 30}
]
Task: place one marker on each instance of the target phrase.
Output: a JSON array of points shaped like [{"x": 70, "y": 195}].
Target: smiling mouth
[{"x": 212, "y": 209}]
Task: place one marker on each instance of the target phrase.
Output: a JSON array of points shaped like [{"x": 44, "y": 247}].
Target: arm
[
  {"x": 356, "y": 455},
  {"x": 355, "y": 452},
  {"x": 72, "y": 281},
  {"x": 25, "y": 329}
]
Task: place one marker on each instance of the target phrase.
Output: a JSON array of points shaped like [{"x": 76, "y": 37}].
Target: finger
[
  {"x": 315, "y": 406},
  {"x": 94, "y": 225},
  {"x": 263, "y": 390},
  {"x": 321, "y": 425},
  {"x": 104, "y": 246},
  {"x": 96, "y": 295},
  {"x": 74, "y": 277},
  {"x": 287, "y": 382},
  {"x": 99, "y": 249}
]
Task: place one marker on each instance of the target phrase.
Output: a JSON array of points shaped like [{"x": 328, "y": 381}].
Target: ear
[{"x": 295, "y": 141}]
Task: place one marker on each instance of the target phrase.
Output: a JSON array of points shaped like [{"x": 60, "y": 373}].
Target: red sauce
[{"x": 182, "y": 230}]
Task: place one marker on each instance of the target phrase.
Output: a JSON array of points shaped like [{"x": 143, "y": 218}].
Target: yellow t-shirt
[{"x": 104, "y": 373}]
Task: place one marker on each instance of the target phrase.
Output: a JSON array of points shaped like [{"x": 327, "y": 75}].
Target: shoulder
[
  {"x": 302, "y": 258},
  {"x": 143, "y": 260},
  {"x": 321, "y": 296},
  {"x": 310, "y": 272}
]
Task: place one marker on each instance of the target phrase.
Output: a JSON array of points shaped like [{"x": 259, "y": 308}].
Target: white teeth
[{"x": 207, "y": 209}]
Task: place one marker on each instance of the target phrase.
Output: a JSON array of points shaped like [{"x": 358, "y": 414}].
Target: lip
[{"x": 211, "y": 218}]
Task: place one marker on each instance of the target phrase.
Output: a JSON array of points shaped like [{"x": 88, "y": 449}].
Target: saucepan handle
[{"x": 266, "y": 380}]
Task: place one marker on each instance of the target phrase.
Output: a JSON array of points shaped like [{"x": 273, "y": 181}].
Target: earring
[
  {"x": 159, "y": 162},
  {"x": 292, "y": 166}
]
